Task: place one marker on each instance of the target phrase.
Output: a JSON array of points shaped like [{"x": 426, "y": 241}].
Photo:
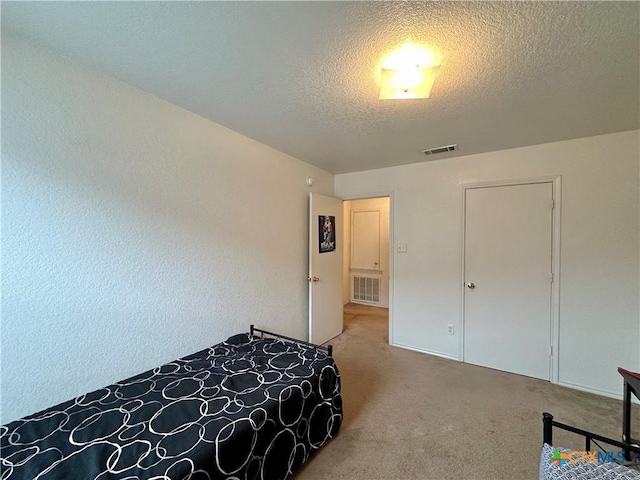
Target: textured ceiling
[{"x": 302, "y": 76}]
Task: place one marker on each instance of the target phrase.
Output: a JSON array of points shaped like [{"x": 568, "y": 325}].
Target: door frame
[
  {"x": 554, "y": 327},
  {"x": 389, "y": 194}
]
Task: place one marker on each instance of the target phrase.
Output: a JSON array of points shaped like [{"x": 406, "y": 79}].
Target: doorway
[
  {"x": 510, "y": 248},
  {"x": 366, "y": 263},
  {"x": 330, "y": 270}
]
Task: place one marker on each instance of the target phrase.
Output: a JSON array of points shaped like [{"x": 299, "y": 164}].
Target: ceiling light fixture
[{"x": 408, "y": 73}]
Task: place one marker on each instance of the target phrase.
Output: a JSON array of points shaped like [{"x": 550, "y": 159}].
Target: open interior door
[{"x": 325, "y": 268}]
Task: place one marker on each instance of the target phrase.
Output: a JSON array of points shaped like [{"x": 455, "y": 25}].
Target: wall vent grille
[
  {"x": 445, "y": 149},
  {"x": 366, "y": 289}
]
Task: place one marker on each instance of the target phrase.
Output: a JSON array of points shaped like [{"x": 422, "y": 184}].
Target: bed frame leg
[
  {"x": 330, "y": 350},
  {"x": 251, "y": 329},
  {"x": 626, "y": 419},
  {"x": 547, "y": 420}
]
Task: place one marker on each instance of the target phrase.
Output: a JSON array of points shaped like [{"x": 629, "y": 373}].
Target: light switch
[{"x": 402, "y": 248}]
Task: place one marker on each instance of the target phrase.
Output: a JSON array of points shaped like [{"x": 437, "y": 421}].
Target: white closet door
[
  {"x": 365, "y": 240},
  {"x": 508, "y": 265}
]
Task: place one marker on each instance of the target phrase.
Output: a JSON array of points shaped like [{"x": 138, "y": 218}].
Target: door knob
[
  {"x": 471, "y": 285},
  {"x": 375, "y": 263},
  {"x": 314, "y": 279}
]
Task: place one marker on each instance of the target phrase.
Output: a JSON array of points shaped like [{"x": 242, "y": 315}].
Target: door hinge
[
  {"x": 551, "y": 350},
  {"x": 552, "y": 277},
  {"x": 553, "y": 203}
]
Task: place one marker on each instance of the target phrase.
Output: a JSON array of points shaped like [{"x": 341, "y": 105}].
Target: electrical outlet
[
  {"x": 402, "y": 248},
  {"x": 449, "y": 329}
]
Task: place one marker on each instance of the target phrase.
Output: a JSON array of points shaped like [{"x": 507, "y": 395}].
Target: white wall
[
  {"x": 133, "y": 232},
  {"x": 367, "y": 204},
  {"x": 599, "y": 300}
]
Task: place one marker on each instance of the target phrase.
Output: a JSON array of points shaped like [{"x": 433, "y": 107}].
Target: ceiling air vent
[{"x": 445, "y": 149}]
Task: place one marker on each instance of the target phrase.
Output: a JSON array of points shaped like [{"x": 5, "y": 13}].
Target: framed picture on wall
[{"x": 327, "y": 233}]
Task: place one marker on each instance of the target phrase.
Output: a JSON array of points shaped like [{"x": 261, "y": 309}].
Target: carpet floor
[{"x": 409, "y": 415}]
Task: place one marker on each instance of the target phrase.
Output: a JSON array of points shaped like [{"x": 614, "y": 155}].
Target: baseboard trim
[
  {"x": 597, "y": 391},
  {"x": 575, "y": 386},
  {"x": 364, "y": 304},
  {"x": 428, "y": 352}
]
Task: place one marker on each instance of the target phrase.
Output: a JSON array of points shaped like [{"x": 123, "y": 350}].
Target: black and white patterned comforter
[
  {"x": 246, "y": 408},
  {"x": 582, "y": 471}
]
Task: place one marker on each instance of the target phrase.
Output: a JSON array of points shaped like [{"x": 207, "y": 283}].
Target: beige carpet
[{"x": 414, "y": 416}]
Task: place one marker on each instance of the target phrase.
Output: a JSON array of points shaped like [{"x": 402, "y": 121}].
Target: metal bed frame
[
  {"x": 549, "y": 423},
  {"x": 328, "y": 349},
  {"x": 628, "y": 444}
]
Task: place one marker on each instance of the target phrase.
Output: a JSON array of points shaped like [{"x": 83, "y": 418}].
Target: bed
[
  {"x": 602, "y": 458},
  {"x": 256, "y": 406}
]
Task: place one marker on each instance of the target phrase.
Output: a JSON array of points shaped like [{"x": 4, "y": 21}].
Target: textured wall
[
  {"x": 133, "y": 232},
  {"x": 599, "y": 299}
]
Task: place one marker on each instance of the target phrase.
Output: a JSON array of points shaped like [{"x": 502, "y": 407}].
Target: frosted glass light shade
[{"x": 407, "y": 82}]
